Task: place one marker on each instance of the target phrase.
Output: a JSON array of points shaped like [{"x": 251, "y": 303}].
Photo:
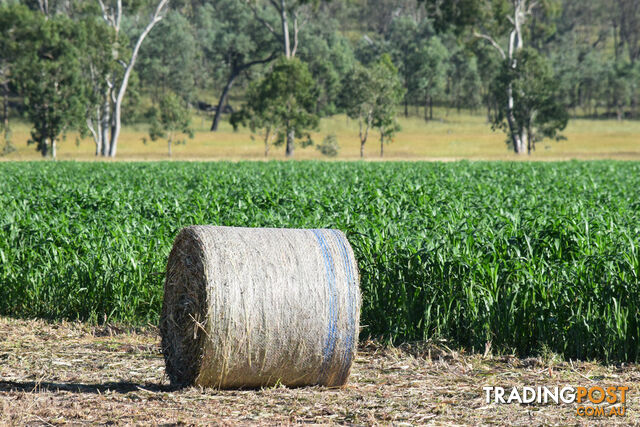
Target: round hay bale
[{"x": 252, "y": 307}]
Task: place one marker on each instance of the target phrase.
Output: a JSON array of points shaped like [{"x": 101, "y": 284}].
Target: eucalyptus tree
[
  {"x": 465, "y": 87},
  {"x": 15, "y": 19},
  {"x": 51, "y": 82},
  {"x": 52, "y": 7},
  {"x": 430, "y": 66},
  {"x": 284, "y": 100},
  {"x": 170, "y": 119},
  {"x": 329, "y": 57},
  {"x": 292, "y": 16},
  {"x": 358, "y": 100},
  {"x": 402, "y": 40},
  {"x": 371, "y": 96},
  {"x": 259, "y": 119},
  {"x": 510, "y": 18},
  {"x": 390, "y": 94},
  {"x": 105, "y": 121},
  {"x": 537, "y": 111},
  {"x": 233, "y": 41},
  {"x": 503, "y": 24},
  {"x": 627, "y": 15},
  {"x": 168, "y": 59}
]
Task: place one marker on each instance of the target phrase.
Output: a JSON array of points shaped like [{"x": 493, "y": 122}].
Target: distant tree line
[{"x": 90, "y": 66}]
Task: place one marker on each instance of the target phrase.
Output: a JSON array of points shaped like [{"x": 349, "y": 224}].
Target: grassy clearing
[
  {"x": 449, "y": 136},
  {"x": 526, "y": 256},
  {"x": 73, "y": 373}
]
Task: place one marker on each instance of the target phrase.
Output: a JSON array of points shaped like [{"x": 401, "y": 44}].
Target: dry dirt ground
[{"x": 57, "y": 373}]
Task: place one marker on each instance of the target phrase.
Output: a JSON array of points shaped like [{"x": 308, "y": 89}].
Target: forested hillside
[{"x": 277, "y": 67}]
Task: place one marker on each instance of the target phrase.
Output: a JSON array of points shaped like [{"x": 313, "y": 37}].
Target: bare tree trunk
[
  {"x": 222, "y": 100},
  {"x": 406, "y": 86},
  {"x": 523, "y": 142},
  {"x": 105, "y": 142},
  {"x": 96, "y": 132},
  {"x": 511, "y": 121},
  {"x": 381, "y": 144},
  {"x": 291, "y": 134},
  {"x": 289, "y": 50},
  {"x": 169, "y": 144},
  {"x": 44, "y": 7},
  {"x": 45, "y": 148},
  {"x": 285, "y": 31},
  {"x": 619, "y": 110},
  {"x": 5, "y": 106},
  {"x": 515, "y": 44},
  {"x": 53, "y": 148},
  {"x": 364, "y": 134},
  {"x": 100, "y": 128},
  {"x": 115, "y": 130},
  {"x": 426, "y": 108},
  {"x": 267, "y": 141},
  {"x": 105, "y": 125}
]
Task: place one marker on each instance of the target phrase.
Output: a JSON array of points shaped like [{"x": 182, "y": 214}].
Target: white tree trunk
[
  {"x": 289, "y": 48},
  {"x": 511, "y": 121},
  {"x": 515, "y": 44},
  {"x": 44, "y": 7},
  {"x": 105, "y": 123},
  {"x": 112, "y": 122},
  {"x": 285, "y": 29},
  {"x": 94, "y": 128}
]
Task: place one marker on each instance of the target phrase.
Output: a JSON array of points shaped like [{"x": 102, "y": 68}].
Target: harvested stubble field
[{"x": 56, "y": 373}]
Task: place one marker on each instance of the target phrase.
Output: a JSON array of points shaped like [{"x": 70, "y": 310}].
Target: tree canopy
[
  {"x": 285, "y": 100},
  {"x": 50, "y": 72},
  {"x": 527, "y": 63}
]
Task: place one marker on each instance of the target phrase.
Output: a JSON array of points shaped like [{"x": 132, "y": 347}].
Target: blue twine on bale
[
  {"x": 333, "y": 311},
  {"x": 351, "y": 331},
  {"x": 330, "y": 343}
]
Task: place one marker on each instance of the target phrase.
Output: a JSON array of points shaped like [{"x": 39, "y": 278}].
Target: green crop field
[{"x": 528, "y": 256}]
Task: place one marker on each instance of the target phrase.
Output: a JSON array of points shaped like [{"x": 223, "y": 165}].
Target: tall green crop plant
[{"x": 526, "y": 256}]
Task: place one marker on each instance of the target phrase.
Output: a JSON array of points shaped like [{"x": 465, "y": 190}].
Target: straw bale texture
[{"x": 252, "y": 307}]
